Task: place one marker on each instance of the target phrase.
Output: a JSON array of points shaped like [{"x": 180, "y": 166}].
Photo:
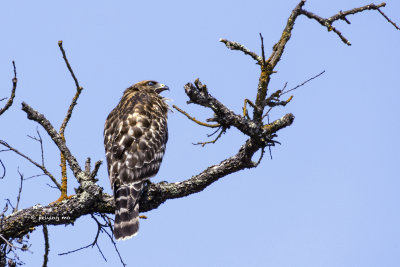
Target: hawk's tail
[{"x": 126, "y": 222}]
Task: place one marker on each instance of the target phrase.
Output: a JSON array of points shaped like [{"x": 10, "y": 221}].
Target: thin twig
[
  {"x": 211, "y": 134},
  {"x": 46, "y": 245},
  {"x": 20, "y": 190},
  {"x": 101, "y": 252},
  {"x": 303, "y": 83},
  {"x": 4, "y": 169},
  {"x": 7, "y": 242},
  {"x": 51, "y": 186},
  {"x": 90, "y": 245},
  {"x": 70, "y": 109},
  {"x": 14, "y": 87},
  {"x": 2, "y": 214},
  {"x": 213, "y": 141},
  {"x": 13, "y": 247},
  {"x": 388, "y": 19},
  {"x": 270, "y": 152},
  {"x": 195, "y": 120},
  {"x": 261, "y": 157},
  {"x": 60, "y": 44},
  {"x": 9, "y": 203},
  {"x": 39, "y": 139},
  {"x": 34, "y": 176},
  {"x": 262, "y": 49},
  {"x": 115, "y": 247},
  {"x": 43, "y": 168},
  {"x": 76, "y": 250},
  {"x": 100, "y": 226},
  {"x": 99, "y": 230},
  {"x": 267, "y": 113}
]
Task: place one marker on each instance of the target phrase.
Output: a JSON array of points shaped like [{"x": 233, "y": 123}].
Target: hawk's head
[{"x": 148, "y": 85}]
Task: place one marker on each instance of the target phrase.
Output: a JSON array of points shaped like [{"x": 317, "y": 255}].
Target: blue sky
[{"x": 328, "y": 198}]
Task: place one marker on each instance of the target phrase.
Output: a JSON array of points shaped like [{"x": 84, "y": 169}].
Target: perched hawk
[{"x": 135, "y": 135}]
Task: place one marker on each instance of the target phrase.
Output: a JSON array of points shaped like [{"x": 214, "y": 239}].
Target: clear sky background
[{"x": 329, "y": 197}]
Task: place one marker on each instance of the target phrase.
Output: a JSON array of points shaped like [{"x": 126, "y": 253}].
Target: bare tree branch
[
  {"x": 43, "y": 168},
  {"x": 195, "y": 120},
  {"x": 342, "y": 16},
  {"x": 94, "y": 200},
  {"x": 388, "y": 19},
  {"x": 90, "y": 199},
  {"x": 40, "y": 140},
  {"x": 57, "y": 139},
  {"x": 303, "y": 83},
  {"x": 14, "y": 87},
  {"x": 99, "y": 229},
  {"x": 268, "y": 68},
  {"x": 64, "y": 124},
  {"x": 213, "y": 141},
  {"x": 4, "y": 169},
  {"x": 46, "y": 245},
  {"x": 198, "y": 94},
  {"x": 239, "y": 47},
  {"x": 21, "y": 176},
  {"x": 78, "y": 87}
]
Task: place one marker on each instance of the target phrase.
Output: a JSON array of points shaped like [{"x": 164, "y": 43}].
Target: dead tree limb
[{"x": 91, "y": 199}]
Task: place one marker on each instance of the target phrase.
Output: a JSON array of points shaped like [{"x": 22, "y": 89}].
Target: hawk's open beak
[{"x": 161, "y": 88}]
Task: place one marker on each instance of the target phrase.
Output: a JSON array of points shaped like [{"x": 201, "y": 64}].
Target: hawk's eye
[{"x": 151, "y": 83}]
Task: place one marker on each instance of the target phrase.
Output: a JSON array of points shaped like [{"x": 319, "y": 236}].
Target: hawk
[{"x": 135, "y": 135}]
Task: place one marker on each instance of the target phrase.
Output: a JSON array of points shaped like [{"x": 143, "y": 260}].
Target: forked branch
[{"x": 90, "y": 197}]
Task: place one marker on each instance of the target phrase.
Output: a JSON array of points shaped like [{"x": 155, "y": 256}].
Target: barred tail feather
[{"x": 126, "y": 223}]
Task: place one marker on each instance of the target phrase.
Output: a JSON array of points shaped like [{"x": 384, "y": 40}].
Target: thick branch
[
  {"x": 93, "y": 200},
  {"x": 279, "y": 47},
  {"x": 23, "y": 221},
  {"x": 268, "y": 68}
]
